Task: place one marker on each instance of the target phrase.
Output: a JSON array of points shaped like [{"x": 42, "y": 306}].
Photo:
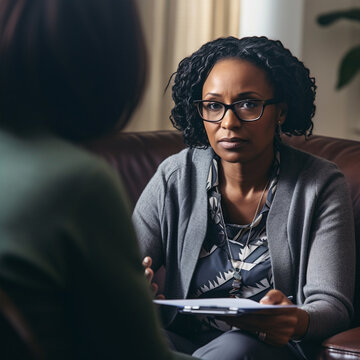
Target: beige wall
[{"x": 338, "y": 112}]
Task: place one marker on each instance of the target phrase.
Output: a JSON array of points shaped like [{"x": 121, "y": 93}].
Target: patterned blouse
[{"x": 213, "y": 275}]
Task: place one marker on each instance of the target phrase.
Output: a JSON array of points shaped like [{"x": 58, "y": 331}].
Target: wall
[{"x": 276, "y": 19}]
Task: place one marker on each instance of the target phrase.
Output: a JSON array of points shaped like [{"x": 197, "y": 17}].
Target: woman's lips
[{"x": 232, "y": 143}]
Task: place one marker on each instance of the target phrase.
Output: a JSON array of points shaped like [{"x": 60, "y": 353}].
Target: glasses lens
[
  {"x": 248, "y": 109},
  {"x": 211, "y": 110}
]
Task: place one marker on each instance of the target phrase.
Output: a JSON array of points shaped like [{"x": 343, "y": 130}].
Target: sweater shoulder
[{"x": 184, "y": 161}]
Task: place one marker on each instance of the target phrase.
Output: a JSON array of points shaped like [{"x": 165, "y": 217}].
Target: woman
[
  {"x": 240, "y": 214},
  {"x": 71, "y": 71}
]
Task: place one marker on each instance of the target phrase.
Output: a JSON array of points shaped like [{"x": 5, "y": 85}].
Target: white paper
[{"x": 228, "y": 303}]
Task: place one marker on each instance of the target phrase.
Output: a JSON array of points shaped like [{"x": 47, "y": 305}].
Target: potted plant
[{"x": 350, "y": 63}]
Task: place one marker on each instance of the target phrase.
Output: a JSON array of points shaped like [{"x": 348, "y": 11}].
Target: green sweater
[{"x": 68, "y": 255}]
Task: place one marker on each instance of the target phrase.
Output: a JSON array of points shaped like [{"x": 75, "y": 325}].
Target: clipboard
[
  {"x": 218, "y": 306},
  {"x": 211, "y": 310}
]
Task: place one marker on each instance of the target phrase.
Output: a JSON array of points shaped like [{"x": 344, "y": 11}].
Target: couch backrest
[{"x": 136, "y": 156}]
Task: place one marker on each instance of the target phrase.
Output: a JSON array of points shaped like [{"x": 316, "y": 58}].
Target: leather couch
[{"x": 136, "y": 156}]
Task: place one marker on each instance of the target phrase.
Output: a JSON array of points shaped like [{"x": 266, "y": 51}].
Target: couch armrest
[{"x": 345, "y": 345}]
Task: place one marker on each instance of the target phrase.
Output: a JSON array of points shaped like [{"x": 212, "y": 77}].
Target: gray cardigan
[{"x": 310, "y": 232}]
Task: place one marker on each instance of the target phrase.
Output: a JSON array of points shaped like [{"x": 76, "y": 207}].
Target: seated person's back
[{"x": 71, "y": 71}]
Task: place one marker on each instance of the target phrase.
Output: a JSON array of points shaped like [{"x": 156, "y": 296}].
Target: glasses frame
[{"x": 197, "y": 104}]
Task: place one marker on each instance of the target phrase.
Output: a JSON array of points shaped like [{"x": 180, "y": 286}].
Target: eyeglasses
[{"x": 245, "y": 110}]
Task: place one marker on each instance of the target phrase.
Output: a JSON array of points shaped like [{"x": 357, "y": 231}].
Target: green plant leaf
[
  {"x": 329, "y": 18},
  {"x": 349, "y": 66}
]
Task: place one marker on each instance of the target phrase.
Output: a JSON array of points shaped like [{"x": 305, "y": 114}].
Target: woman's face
[{"x": 233, "y": 140}]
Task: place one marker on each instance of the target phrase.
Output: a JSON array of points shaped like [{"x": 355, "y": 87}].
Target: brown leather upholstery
[
  {"x": 345, "y": 345},
  {"x": 136, "y": 156}
]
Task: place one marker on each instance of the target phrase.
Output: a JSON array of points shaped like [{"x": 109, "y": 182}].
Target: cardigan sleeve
[
  {"x": 148, "y": 220},
  {"x": 330, "y": 273}
]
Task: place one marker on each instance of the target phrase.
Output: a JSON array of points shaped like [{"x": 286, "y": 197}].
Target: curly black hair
[{"x": 290, "y": 78}]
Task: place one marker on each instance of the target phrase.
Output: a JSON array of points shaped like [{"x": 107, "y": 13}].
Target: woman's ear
[{"x": 283, "y": 112}]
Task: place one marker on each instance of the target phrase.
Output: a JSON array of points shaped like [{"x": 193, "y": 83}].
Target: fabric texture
[
  {"x": 69, "y": 258},
  {"x": 309, "y": 227}
]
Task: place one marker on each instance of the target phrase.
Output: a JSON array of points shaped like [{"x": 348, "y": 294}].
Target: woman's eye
[
  {"x": 248, "y": 104},
  {"x": 213, "y": 106}
]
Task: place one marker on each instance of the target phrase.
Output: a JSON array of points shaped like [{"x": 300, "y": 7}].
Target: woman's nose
[{"x": 230, "y": 120}]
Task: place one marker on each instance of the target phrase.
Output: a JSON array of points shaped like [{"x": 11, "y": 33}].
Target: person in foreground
[
  {"x": 71, "y": 71},
  {"x": 240, "y": 214}
]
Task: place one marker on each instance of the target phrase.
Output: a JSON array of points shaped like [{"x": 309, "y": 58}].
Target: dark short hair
[
  {"x": 290, "y": 78},
  {"x": 75, "y": 67}
]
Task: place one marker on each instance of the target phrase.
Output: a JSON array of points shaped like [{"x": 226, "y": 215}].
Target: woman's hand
[
  {"x": 276, "y": 326},
  {"x": 149, "y": 274}
]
